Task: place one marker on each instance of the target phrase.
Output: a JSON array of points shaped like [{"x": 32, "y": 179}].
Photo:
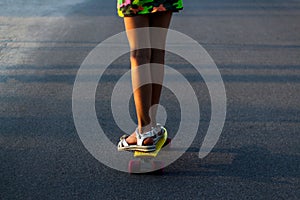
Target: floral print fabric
[{"x": 138, "y": 7}]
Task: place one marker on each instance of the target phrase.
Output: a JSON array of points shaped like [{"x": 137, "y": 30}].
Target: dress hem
[{"x": 134, "y": 15}]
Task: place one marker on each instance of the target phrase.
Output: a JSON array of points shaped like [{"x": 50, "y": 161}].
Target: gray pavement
[{"x": 255, "y": 45}]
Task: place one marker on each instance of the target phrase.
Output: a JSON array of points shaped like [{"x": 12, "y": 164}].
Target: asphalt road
[{"x": 256, "y": 46}]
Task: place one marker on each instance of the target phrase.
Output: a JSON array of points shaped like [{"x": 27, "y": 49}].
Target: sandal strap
[
  {"x": 158, "y": 131},
  {"x": 158, "y": 128},
  {"x": 123, "y": 142},
  {"x": 124, "y": 136},
  {"x": 141, "y": 137}
]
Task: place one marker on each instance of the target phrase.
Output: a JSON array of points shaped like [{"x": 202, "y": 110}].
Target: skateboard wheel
[
  {"x": 134, "y": 166},
  {"x": 158, "y": 166}
]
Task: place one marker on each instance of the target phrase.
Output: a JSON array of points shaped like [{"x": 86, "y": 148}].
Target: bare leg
[
  {"x": 158, "y": 39},
  {"x": 142, "y": 95},
  {"x": 147, "y": 96}
]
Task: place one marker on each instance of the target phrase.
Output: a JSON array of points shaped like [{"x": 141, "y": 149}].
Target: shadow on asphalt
[{"x": 249, "y": 162}]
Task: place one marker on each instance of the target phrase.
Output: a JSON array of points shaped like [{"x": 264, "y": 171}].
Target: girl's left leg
[{"x": 142, "y": 95}]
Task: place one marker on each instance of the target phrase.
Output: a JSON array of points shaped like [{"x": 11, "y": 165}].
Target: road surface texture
[{"x": 256, "y": 46}]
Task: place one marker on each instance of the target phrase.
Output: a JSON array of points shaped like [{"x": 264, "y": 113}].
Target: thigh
[
  {"x": 161, "y": 22},
  {"x": 138, "y": 38},
  {"x": 160, "y": 19}
]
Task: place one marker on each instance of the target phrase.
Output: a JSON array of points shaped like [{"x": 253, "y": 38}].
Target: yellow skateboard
[{"x": 145, "y": 162}]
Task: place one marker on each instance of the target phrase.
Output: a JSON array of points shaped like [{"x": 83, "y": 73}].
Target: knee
[{"x": 141, "y": 56}]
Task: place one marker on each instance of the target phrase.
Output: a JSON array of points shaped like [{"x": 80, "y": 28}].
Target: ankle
[{"x": 144, "y": 129}]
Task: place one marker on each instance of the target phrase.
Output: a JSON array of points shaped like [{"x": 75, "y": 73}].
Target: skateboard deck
[{"x": 144, "y": 161}]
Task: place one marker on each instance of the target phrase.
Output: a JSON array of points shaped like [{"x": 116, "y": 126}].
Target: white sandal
[
  {"x": 124, "y": 146},
  {"x": 158, "y": 132}
]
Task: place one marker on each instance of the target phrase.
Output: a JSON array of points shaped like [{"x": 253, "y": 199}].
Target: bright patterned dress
[{"x": 127, "y": 8}]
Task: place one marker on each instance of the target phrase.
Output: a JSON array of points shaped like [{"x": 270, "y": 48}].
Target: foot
[
  {"x": 145, "y": 141},
  {"x": 158, "y": 130},
  {"x": 131, "y": 140},
  {"x": 137, "y": 142}
]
